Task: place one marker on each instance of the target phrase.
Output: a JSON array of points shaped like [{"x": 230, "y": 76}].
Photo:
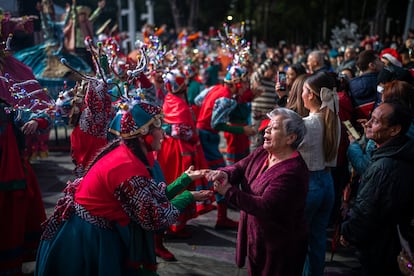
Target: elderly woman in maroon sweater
[{"x": 269, "y": 187}]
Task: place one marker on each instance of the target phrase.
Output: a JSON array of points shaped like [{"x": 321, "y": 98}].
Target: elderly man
[
  {"x": 385, "y": 198},
  {"x": 349, "y": 62},
  {"x": 316, "y": 62}
]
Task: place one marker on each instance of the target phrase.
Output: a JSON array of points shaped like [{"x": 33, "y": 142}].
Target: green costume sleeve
[
  {"x": 231, "y": 129},
  {"x": 178, "y": 185},
  {"x": 182, "y": 200}
]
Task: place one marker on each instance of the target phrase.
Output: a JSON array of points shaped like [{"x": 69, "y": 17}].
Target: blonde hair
[{"x": 295, "y": 101}]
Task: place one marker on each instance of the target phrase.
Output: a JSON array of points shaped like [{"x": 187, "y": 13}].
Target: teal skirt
[{"x": 82, "y": 248}]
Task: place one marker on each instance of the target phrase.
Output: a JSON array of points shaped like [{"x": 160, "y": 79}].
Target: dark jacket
[
  {"x": 385, "y": 199},
  {"x": 363, "y": 90}
]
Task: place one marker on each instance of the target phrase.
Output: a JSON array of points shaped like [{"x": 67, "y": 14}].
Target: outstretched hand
[
  {"x": 217, "y": 176},
  {"x": 30, "y": 127},
  {"x": 196, "y": 174},
  {"x": 220, "y": 180}
]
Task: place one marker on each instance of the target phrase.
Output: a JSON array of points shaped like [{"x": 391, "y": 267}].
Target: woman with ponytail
[{"x": 319, "y": 150}]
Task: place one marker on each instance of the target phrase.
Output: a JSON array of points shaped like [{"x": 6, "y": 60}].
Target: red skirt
[
  {"x": 237, "y": 147},
  {"x": 175, "y": 157},
  {"x": 22, "y": 212}
]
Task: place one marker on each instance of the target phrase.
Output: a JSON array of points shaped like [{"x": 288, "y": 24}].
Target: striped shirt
[{"x": 266, "y": 102}]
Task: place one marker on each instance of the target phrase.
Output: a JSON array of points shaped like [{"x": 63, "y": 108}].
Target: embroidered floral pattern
[
  {"x": 63, "y": 209},
  {"x": 145, "y": 202},
  {"x": 96, "y": 116}
]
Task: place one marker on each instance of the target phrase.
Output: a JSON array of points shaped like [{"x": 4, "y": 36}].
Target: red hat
[{"x": 392, "y": 52}]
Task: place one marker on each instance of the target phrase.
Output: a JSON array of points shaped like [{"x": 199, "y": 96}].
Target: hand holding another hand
[
  {"x": 220, "y": 180},
  {"x": 202, "y": 195},
  {"x": 221, "y": 188},
  {"x": 196, "y": 174}
]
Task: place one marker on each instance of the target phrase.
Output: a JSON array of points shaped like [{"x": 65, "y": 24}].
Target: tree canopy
[{"x": 294, "y": 21}]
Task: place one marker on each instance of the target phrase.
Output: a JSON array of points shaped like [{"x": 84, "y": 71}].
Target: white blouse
[{"x": 311, "y": 147}]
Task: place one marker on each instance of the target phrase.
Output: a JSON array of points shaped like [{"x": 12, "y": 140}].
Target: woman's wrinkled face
[{"x": 275, "y": 137}]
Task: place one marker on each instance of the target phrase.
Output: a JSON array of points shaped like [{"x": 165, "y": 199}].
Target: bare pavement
[{"x": 207, "y": 252}]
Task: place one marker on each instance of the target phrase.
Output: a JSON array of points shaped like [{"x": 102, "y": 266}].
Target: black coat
[{"x": 385, "y": 199}]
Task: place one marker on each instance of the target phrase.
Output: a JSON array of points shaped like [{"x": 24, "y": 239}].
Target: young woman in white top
[{"x": 319, "y": 150}]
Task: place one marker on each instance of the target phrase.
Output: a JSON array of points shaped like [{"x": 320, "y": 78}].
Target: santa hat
[
  {"x": 392, "y": 59},
  {"x": 392, "y": 56}
]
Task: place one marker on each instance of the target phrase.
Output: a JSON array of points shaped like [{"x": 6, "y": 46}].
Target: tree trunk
[
  {"x": 379, "y": 24},
  {"x": 194, "y": 12},
  {"x": 176, "y": 12},
  {"x": 266, "y": 20}
]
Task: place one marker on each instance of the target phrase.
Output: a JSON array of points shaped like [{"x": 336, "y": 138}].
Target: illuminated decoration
[{"x": 235, "y": 43}]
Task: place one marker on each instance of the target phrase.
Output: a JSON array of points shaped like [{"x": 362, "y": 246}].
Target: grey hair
[
  {"x": 318, "y": 55},
  {"x": 292, "y": 123}
]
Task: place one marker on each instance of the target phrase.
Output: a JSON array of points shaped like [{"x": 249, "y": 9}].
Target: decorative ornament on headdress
[
  {"x": 109, "y": 56},
  {"x": 64, "y": 101},
  {"x": 154, "y": 51},
  {"x": 28, "y": 100},
  {"x": 133, "y": 75},
  {"x": 135, "y": 115},
  {"x": 99, "y": 58},
  {"x": 234, "y": 74},
  {"x": 141, "y": 66},
  {"x": 235, "y": 43},
  {"x": 175, "y": 81},
  {"x": 99, "y": 83}
]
